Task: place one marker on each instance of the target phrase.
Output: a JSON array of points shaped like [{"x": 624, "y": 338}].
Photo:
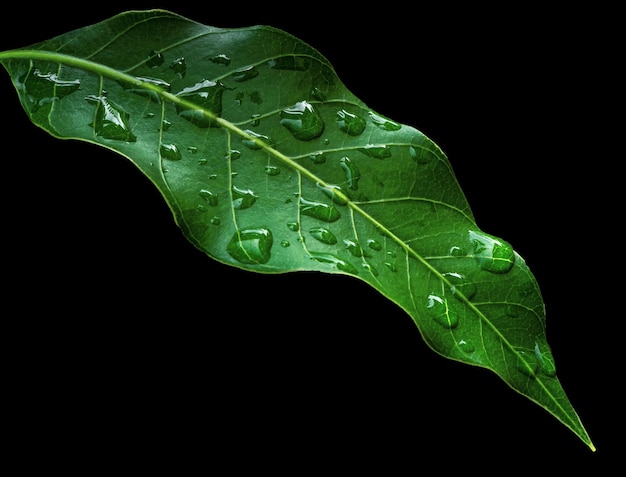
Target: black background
[{"x": 124, "y": 341}]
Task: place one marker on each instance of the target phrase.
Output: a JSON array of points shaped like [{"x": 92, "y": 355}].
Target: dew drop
[
  {"x": 378, "y": 152},
  {"x": 466, "y": 346},
  {"x": 318, "y": 94},
  {"x": 391, "y": 267},
  {"x": 293, "y": 226},
  {"x": 526, "y": 362},
  {"x": 207, "y": 99},
  {"x": 233, "y": 154},
  {"x": 210, "y": 197},
  {"x": 350, "y": 123},
  {"x": 221, "y": 59},
  {"x": 440, "y": 311},
  {"x": 179, "y": 67},
  {"x": 272, "y": 170},
  {"x": 251, "y": 246},
  {"x": 546, "y": 361},
  {"x": 255, "y": 119},
  {"x": 493, "y": 254},
  {"x": 318, "y": 158},
  {"x": 371, "y": 269},
  {"x": 293, "y": 63},
  {"x": 335, "y": 193},
  {"x": 457, "y": 251},
  {"x": 244, "y": 74},
  {"x": 255, "y": 141},
  {"x": 40, "y": 83},
  {"x": 147, "y": 92},
  {"x": 421, "y": 155},
  {"x": 155, "y": 59},
  {"x": 318, "y": 210},
  {"x": 374, "y": 245},
  {"x": 383, "y": 122},
  {"x": 323, "y": 235},
  {"x": 460, "y": 285},
  {"x": 243, "y": 199},
  {"x": 335, "y": 261},
  {"x": 303, "y": 121},
  {"x": 215, "y": 220},
  {"x": 111, "y": 121},
  {"x": 165, "y": 124},
  {"x": 354, "y": 248},
  {"x": 353, "y": 175},
  {"x": 171, "y": 152},
  {"x": 285, "y": 243}
]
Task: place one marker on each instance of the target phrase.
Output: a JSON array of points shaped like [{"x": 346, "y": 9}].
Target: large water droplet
[
  {"x": 303, "y": 121},
  {"x": 335, "y": 261},
  {"x": 335, "y": 193},
  {"x": 384, "y": 123},
  {"x": 251, "y": 246},
  {"x": 318, "y": 210},
  {"x": 354, "y": 248},
  {"x": 243, "y": 199},
  {"x": 171, "y": 152},
  {"x": 493, "y": 254},
  {"x": 353, "y": 175},
  {"x": 244, "y": 74},
  {"x": 111, "y": 121},
  {"x": 206, "y": 97},
  {"x": 323, "y": 235},
  {"x": 440, "y": 311},
  {"x": 350, "y": 123}
]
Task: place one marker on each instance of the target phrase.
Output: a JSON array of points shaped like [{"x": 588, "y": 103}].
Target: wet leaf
[{"x": 270, "y": 164}]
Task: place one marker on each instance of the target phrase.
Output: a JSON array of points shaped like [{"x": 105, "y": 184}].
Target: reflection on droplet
[
  {"x": 303, "y": 121},
  {"x": 243, "y": 199},
  {"x": 493, "y": 254},
  {"x": 206, "y": 97},
  {"x": 376, "y": 151},
  {"x": 350, "y": 123},
  {"x": 319, "y": 210},
  {"x": 335, "y": 193},
  {"x": 155, "y": 59},
  {"x": 354, "y": 248},
  {"x": 352, "y": 172},
  {"x": 457, "y": 251},
  {"x": 171, "y": 152},
  {"x": 244, "y": 74},
  {"x": 439, "y": 311},
  {"x": 383, "y": 122},
  {"x": 466, "y": 346},
  {"x": 323, "y": 235},
  {"x": 251, "y": 246},
  {"x": 374, "y": 245},
  {"x": 209, "y": 196},
  {"x": 335, "y": 261},
  {"x": 111, "y": 121}
]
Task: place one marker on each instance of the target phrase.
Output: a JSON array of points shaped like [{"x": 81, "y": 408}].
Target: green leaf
[{"x": 270, "y": 164}]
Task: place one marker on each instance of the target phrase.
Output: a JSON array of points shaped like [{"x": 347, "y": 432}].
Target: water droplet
[
  {"x": 457, "y": 251},
  {"x": 374, "y": 245},
  {"x": 323, "y": 235},
  {"x": 335, "y": 261},
  {"x": 233, "y": 154},
  {"x": 318, "y": 158},
  {"x": 460, "y": 285},
  {"x": 284, "y": 243},
  {"x": 192, "y": 149},
  {"x": 319, "y": 210},
  {"x": 46, "y": 88},
  {"x": 293, "y": 63},
  {"x": 383, "y": 122},
  {"x": 243, "y": 199},
  {"x": 221, "y": 59},
  {"x": 318, "y": 94},
  {"x": 354, "y": 248},
  {"x": 546, "y": 361},
  {"x": 155, "y": 59},
  {"x": 166, "y": 124},
  {"x": 179, "y": 67},
  {"x": 171, "y": 152},
  {"x": 371, "y": 269},
  {"x": 466, "y": 346},
  {"x": 147, "y": 92},
  {"x": 272, "y": 170},
  {"x": 391, "y": 266},
  {"x": 421, "y": 155},
  {"x": 251, "y": 246},
  {"x": 255, "y": 141},
  {"x": 206, "y": 97},
  {"x": 303, "y": 121},
  {"x": 335, "y": 193},
  {"x": 440, "y": 311},
  {"x": 350, "y": 123},
  {"x": 378, "y": 152},
  {"x": 215, "y": 220},
  {"x": 244, "y": 74},
  {"x": 352, "y": 172},
  {"x": 209, "y": 196},
  {"x": 293, "y": 226},
  {"x": 111, "y": 121},
  {"x": 493, "y": 254},
  {"x": 526, "y": 362}
]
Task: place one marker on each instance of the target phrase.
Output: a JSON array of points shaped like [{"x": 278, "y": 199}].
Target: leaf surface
[{"x": 270, "y": 164}]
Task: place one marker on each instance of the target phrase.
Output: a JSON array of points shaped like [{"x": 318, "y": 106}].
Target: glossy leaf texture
[{"x": 270, "y": 164}]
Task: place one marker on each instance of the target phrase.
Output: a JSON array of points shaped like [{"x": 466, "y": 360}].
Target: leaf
[{"x": 270, "y": 164}]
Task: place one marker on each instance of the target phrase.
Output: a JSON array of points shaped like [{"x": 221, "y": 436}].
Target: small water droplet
[
  {"x": 323, "y": 235},
  {"x": 251, "y": 246},
  {"x": 460, "y": 285},
  {"x": 210, "y": 197},
  {"x": 335, "y": 193},
  {"x": 111, "y": 121},
  {"x": 165, "y": 125},
  {"x": 440, "y": 312},
  {"x": 371, "y": 269},
  {"x": 354, "y": 248},
  {"x": 335, "y": 261},
  {"x": 221, "y": 59},
  {"x": 206, "y": 97},
  {"x": 244, "y": 74},
  {"x": 353, "y": 175},
  {"x": 384, "y": 123},
  {"x": 285, "y": 243},
  {"x": 466, "y": 346},
  {"x": 421, "y": 155},
  {"x": 391, "y": 266},
  {"x": 215, "y": 220},
  {"x": 233, "y": 154},
  {"x": 303, "y": 121},
  {"x": 376, "y": 151},
  {"x": 272, "y": 170},
  {"x": 546, "y": 361},
  {"x": 179, "y": 67},
  {"x": 293, "y": 226},
  {"x": 350, "y": 123},
  {"x": 374, "y": 245},
  {"x": 457, "y": 251},
  {"x": 255, "y": 141},
  {"x": 255, "y": 119},
  {"x": 319, "y": 210},
  {"x": 155, "y": 59},
  {"x": 318, "y": 158},
  {"x": 243, "y": 199},
  {"x": 318, "y": 94},
  {"x": 526, "y": 362},
  {"x": 291, "y": 62},
  {"x": 493, "y": 254},
  {"x": 171, "y": 152}
]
